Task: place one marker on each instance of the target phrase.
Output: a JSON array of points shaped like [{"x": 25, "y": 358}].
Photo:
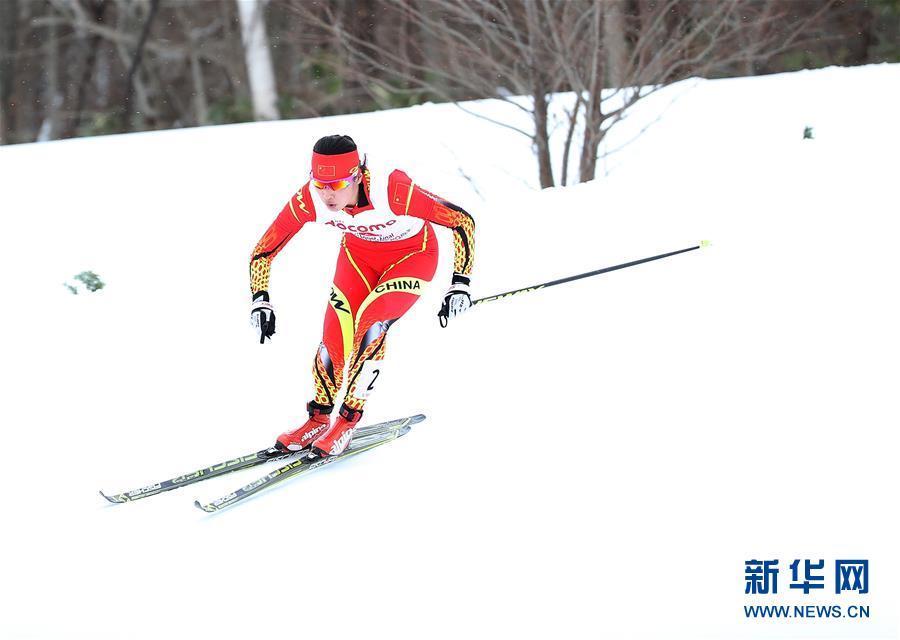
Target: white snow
[{"x": 599, "y": 459}]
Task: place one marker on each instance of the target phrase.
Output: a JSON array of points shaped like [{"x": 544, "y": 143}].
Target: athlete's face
[{"x": 337, "y": 199}]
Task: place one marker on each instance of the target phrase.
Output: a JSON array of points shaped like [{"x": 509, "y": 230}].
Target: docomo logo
[{"x": 361, "y": 228}]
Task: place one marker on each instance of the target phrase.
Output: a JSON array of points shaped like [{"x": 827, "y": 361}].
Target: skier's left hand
[
  {"x": 457, "y": 299},
  {"x": 262, "y": 315}
]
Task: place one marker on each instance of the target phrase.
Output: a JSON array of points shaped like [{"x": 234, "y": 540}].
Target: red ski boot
[
  {"x": 302, "y": 437},
  {"x": 337, "y": 439}
]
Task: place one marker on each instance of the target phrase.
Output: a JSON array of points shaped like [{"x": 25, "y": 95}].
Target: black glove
[
  {"x": 262, "y": 316},
  {"x": 457, "y": 299}
]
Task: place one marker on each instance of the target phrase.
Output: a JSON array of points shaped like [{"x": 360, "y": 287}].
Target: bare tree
[
  {"x": 259, "y": 60},
  {"x": 672, "y": 40},
  {"x": 608, "y": 52},
  {"x": 76, "y": 67},
  {"x": 463, "y": 50}
]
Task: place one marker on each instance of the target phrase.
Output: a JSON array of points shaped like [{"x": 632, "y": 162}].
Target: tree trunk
[
  {"x": 9, "y": 21},
  {"x": 431, "y": 49},
  {"x": 567, "y": 147},
  {"x": 52, "y": 96},
  {"x": 540, "y": 91},
  {"x": 88, "y": 53},
  {"x": 201, "y": 106},
  {"x": 593, "y": 119},
  {"x": 542, "y": 136},
  {"x": 136, "y": 65},
  {"x": 260, "y": 72},
  {"x": 614, "y": 42},
  {"x": 593, "y": 114}
]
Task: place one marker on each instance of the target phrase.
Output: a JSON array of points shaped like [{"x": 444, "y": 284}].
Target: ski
[
  {"x": 244, "y": 462},
  {"x": 359, "y": 444}
]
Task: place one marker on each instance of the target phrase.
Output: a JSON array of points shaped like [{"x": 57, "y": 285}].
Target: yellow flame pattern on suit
[
  {"x": 291, "y": 219},
  {"x": 448, "y": 215},
  {"x": 259, "y": 274},
  {"x": 464, "y": 245},
  {"x": 326, "y": 388},
  {"x": 374, "y": 351}
]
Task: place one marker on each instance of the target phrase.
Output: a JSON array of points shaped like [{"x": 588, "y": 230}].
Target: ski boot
[
  {"x": 337, "y": 438},
  {"x": 300, "y": 438}
]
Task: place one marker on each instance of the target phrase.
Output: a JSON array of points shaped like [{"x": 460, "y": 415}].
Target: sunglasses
[{"x": 334, "y": 185}]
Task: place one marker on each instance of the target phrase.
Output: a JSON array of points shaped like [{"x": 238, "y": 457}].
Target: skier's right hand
[{"x": 262, "y": 316}]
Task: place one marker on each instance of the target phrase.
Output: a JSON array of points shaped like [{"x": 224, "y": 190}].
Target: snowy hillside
[{"x": 599, "y": 459}]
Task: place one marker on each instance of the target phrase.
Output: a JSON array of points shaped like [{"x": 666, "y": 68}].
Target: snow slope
[{"x": 599, "y": 459}]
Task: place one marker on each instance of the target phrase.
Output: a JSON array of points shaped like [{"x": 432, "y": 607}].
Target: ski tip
[
  {"x": 705, "y": 243},
  {"x": 202, "y": 508},
  {"x": 416, "y": 418},
  {"x": 111, "y": 499}
]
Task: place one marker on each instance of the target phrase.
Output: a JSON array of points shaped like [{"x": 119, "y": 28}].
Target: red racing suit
[{"x": 388, "y": 254}]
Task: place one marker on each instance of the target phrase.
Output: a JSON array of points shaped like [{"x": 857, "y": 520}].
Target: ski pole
[{"x": 544, "y": 285}]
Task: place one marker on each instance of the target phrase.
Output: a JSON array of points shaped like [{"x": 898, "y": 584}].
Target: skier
[{"x": 388, "y": 254}]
